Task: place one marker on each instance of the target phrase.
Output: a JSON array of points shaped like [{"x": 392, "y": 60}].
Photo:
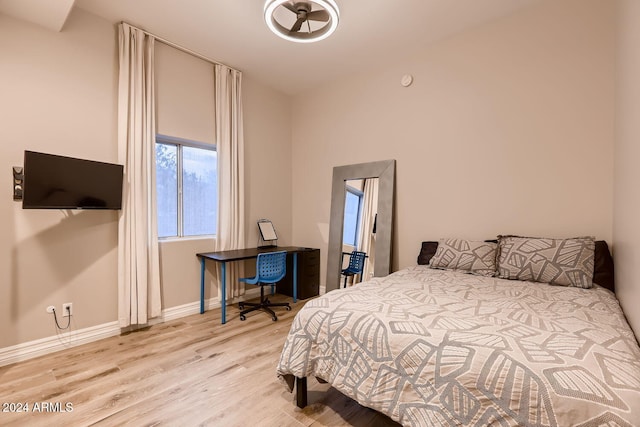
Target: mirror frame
[{"x": 384, "y": 170}]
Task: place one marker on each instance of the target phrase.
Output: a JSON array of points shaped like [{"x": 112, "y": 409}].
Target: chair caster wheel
[
  {"x": 288, "y": 308},
  {"x": 241, "y": 306},
  {"x": 274, "y": 318},
  {"x": 242, "y": 317},
  {"x": 266, "y": 301}
]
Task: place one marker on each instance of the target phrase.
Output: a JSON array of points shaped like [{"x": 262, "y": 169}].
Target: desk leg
[
  {"x": 201, "y": 285},
  {"x": 223, "y": 295},
  {"x": 295, "y": 277}
]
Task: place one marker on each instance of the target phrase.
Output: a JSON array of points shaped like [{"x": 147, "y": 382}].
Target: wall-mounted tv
[{"x": 59, "y": 182}]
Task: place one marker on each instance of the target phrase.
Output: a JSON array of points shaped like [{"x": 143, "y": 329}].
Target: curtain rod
[{"x": 181, "y": 48}]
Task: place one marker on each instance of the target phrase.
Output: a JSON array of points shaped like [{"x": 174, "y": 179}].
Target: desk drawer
[
  {"x": 312, "y": 257},
  {"x": 308, "y": 275}
]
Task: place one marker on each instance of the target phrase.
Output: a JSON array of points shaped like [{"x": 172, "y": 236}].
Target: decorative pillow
[
  {"x": 429, "y": 248},
  {"x": 469, "y": 256},
  {"x": 427, "y": 251},
  {"x": 566, "y": 262},
  {"x": 603, "y": 273}
]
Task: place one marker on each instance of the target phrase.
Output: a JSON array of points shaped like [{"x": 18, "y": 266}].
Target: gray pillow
[
  {"x": 566, "y": 262},
  {"x": 468, "y": 256}
]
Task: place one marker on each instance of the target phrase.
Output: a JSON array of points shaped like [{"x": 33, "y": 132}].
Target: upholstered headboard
[{"x": 603, "y": 272}]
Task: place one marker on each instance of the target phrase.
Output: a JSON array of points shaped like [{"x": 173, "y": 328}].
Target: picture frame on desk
[{"x": 267, "y": 233}]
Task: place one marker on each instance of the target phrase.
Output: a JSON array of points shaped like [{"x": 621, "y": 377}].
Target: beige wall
[
  {"x": 269, "y": 182},
  {"x": 507, "y": 128},
  {"x": 626, "y": 230},
  {"x": 58, "y": 95}
]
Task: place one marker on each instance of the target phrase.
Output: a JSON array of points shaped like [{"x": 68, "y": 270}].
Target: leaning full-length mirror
[{"x": 361, "y": 218}]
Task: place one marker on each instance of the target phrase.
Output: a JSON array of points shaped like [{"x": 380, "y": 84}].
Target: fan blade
[
  {"x": 296, "y": 27},
  {"x": 290, "y": 7},
  {"x": 318, "y": 15}
]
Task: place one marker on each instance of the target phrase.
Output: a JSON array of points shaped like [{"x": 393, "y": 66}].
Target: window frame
[{"x": 179, "y": 143}]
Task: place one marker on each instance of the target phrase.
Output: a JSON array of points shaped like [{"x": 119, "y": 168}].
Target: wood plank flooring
[{"x": 187, "y": 372}]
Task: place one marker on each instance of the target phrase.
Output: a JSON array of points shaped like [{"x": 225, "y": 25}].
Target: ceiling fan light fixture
[{"x": 303, "y": 9}]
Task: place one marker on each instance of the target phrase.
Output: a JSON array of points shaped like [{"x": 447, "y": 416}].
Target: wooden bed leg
[{"x": 301, "y": 392}]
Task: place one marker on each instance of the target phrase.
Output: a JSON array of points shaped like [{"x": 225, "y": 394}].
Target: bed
[{"x": 434, "y": 346}]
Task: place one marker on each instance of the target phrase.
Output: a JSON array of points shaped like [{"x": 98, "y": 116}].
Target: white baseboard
[
  {"x": 31, "y": 349},
  {"x": 40, "y": 347}
]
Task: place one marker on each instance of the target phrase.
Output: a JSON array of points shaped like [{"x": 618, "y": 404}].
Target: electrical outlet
[
  {"x": 50, "y": 309},
  {"x": 67, "y": 309}
]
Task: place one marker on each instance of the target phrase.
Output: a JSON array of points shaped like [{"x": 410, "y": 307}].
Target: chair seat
[
  {"x": 270, "y": 269},
  {"x": 250, "y": 280}
]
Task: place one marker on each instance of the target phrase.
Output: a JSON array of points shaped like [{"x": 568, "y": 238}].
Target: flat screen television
[{"x": 59, "y": 182}]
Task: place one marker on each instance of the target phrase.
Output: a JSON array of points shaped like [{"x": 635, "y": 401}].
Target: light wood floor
[{"x": 186, "y": 372}]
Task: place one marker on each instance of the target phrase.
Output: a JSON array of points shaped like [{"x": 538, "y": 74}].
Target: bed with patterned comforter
[{"x": 432, "y": 347}]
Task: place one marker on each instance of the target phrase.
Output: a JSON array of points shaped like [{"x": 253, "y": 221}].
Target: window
[
  {"x": 187, "y": 187},
  {"x": 352, "y": 208}
]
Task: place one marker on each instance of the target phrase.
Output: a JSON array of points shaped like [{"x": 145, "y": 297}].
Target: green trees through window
[{"x": 187, "y": 188}]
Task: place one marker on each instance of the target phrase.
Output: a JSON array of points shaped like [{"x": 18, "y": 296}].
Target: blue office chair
[
  {"x": 356, "y": 265},
  {"x": 271, "y": 267}
]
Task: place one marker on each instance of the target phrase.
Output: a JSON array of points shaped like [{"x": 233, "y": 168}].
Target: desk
[{"x": 238, "y": 255}]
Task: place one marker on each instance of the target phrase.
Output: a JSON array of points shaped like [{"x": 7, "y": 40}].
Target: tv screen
[{"x": 58, "y": 182}]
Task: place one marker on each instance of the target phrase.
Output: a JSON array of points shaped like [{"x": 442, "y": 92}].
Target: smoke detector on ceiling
[{"x": 302, "y": 21}]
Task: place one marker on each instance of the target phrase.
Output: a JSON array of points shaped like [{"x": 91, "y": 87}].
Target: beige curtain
[
  {"x": 138, "y": 260},
  {"x": 366, "y": 239},
  {"x": 230, "y": 147}
]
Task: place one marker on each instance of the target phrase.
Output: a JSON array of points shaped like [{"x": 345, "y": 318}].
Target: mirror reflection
[
  {"x": 359, "y": 229},
  {"x": 361, "y": 220}
]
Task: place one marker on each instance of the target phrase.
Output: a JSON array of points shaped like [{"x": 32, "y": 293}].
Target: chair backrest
[
  {"x": 356, "y": 261},
  {"x": 271, "y": 266}
]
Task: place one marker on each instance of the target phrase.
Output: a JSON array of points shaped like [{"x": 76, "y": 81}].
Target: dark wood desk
[{"x": 238, "y": 255}]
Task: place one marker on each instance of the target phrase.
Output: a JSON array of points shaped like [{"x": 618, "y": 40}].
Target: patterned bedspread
[{"x": 438, "y": 348}]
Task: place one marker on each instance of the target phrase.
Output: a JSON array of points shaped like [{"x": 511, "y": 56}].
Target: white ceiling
[
  {"x": 47, "y": 13},
  {"x": 234, "y": 32}
]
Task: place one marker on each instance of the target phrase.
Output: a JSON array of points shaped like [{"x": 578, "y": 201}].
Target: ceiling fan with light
[
  {"x": 305, "y": 14},
  {"x": 302, "y": 21}
]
